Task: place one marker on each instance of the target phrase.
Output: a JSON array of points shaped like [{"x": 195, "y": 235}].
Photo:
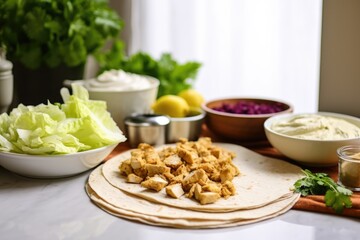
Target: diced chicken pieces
[
  {"x": 207, "y": 167},
  {"x": 205, "y": 141},
  {"x": 141, "y": 172},
  {"x": 226, "y": 155},
  {"x": 194, "y": 191},
  {"x": 145, "y": 147},
  {"x": 189, "y": 155},
  {"x": 197, "y": 191},
  {"x": 125, "y": 168},
  {"x": 177, "y": 179},
  {"x": 209, "y": 158},
  {"x": 215, "y": 176},
  {"x": 205, "y": 197},
  {"x": 228, "y": 189},
  {"x": 208, "y": 197},
  {"x": 173, "y": 161},
  {"x": 202, "y": 150},
  {"x": 235, "y": 169},
  {"x": 226, "y": 175},
  {"x": 155, "y": 183},
  {"x": 197, "y": 169},
  {"x": 190, "y": 192},
  {"x": 181, "y": 171},
  {"x": 168, "y": 175},
  {"x": 132, "y": 178},
  {"x": 216, "y": 152},
  {"x": 192, "y": 167},
  {"x": 137, "y": 153},
  {"x": 211, "y": 187},
  {"x": 166, "y": 152},
  {"x": 197, "y": 176},
  {"x": 174, "y": 190},
  {"x": 152, "y": 157},
  {"x": 137, "y": 162},
  {"x": 150, "y": 154},
  {"x": 153, "y": 169}
]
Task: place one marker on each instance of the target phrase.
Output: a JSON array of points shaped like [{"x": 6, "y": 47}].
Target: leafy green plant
[
  {"x": 174, "y": 77},
  {"x": 55, "y": 32},
  {"x": 336, "y": 196}
]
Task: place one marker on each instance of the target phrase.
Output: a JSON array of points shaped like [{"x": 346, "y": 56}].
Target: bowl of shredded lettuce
[{"x": 60, "y": 139}]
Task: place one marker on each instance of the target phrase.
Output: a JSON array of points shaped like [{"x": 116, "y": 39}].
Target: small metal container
[
  {"x": 187, "y": 127},
  {"x": 146, "y": 128}
]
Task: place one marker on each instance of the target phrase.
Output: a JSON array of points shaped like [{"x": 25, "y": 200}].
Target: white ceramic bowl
[
  {"x": 54, "y": 166},
  {"x": 309, "y": 152},
  {"x": 121, "y": 104}
]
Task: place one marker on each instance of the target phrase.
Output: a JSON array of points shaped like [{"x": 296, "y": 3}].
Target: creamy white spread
[
  {"x": 316, "y": 127},
  {"x": 118, "y": 80}
]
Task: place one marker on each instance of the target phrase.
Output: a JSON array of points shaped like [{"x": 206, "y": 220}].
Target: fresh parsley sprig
[{"x": 336, "y": 196}]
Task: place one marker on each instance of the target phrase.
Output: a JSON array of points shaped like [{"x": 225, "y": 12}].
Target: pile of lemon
[{"x": 186, "y": 103}]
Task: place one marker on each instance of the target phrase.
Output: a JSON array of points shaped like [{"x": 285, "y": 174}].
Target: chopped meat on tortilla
[{"x": 198, "y": 169}]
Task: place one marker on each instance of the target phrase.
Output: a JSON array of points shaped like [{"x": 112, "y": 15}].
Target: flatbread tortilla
[
  {"x": 148, "y": 219},
  {"x": 160, "y": 215},
  {"x": 125, "y": 202},
  {"x": 179, "y": 223},
  {"x": 262, "y": 180}
]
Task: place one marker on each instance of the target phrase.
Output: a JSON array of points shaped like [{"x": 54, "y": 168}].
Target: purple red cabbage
[{"x": 250, "y": 108}]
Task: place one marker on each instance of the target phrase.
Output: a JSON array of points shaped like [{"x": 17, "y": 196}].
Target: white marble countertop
[{"x": 60, "y": 209}]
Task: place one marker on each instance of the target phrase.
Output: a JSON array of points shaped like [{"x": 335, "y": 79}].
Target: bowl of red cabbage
[{"x": 241, "y": 119}]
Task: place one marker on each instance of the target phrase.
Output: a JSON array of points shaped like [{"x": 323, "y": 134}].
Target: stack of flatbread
[{"x": 263, "y": 191}]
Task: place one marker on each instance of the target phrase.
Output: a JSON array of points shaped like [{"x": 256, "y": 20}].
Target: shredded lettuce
[{"x": 78, "y": 124}]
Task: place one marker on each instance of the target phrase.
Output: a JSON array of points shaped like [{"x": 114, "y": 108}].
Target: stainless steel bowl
[
  {"x": 187, "y": 127},
  {"x": 146, "y": 128}
]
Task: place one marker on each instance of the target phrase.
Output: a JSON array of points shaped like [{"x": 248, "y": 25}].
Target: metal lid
[{"x": 147, "y": 120}]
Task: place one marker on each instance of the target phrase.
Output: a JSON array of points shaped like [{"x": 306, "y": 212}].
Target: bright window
[{"x": 252, "y": 48}]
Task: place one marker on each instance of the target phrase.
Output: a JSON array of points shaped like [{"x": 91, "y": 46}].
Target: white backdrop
[{"x": 256, "y": 48}]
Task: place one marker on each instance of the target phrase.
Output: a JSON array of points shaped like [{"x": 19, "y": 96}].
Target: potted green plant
[
  {"x": 174, "y": 76},
  {"x": 49, "y": 41}
]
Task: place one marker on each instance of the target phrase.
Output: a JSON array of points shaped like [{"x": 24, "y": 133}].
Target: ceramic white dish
[
  {"x": 316, "y": 153},
  {"x": 54, "y": 166},
  {"x": 122, "y": 104}
]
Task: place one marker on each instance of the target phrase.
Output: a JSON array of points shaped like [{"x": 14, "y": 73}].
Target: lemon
[
  {"x": 192, "y": 97},
  {"x": 194, "y": 111},
  {"x": 171, "y": 105}
]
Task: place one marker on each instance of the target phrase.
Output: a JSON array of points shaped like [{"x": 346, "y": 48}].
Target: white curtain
[{"x": 248, "y": 48}]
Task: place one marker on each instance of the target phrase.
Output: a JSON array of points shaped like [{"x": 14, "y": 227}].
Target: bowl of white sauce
[
  {"x": 312, "y": 139},
  {"x": 125, "y": 93}
]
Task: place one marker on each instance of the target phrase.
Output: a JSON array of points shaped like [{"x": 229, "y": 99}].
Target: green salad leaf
[
  {"x": 174, "y": 76},
  {"x": 78, "y": 124},
  {"x": 336, "y": 196}
]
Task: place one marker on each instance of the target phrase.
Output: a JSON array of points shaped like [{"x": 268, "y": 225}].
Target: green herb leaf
[
  {"x": 65, "y": 31},
  {"x": 336, "y": 196},
  {"x": 174, "y": 77},
  {"x": 337, "y": 201}
]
